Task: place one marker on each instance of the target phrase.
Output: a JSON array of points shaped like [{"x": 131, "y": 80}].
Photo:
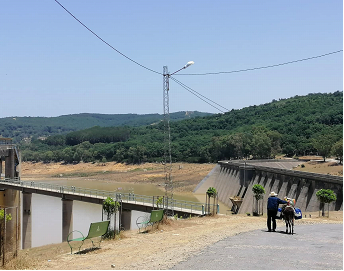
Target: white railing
[{"x": 172, "y": 204}]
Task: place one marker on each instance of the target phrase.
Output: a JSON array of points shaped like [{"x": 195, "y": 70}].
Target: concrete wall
[{"x": 237, "y": 179}]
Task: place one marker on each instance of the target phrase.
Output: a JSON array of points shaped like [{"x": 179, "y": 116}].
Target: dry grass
[
  {"x": 331, "y": 168},
  {"x": 185, "y": 176},
  {"x": 162, "y": 247}
]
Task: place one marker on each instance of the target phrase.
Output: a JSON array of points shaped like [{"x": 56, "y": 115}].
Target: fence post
[
  {"x": 218, "y": 209},
  {"x": 120, "y": 218},
  {"x": 4, "y": 243},
  {"x": 202, "y": 209},
  {"x": 17, "y": 229}
]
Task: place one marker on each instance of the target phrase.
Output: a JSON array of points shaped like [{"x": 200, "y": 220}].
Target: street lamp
[{"x": 167, "y": 137}]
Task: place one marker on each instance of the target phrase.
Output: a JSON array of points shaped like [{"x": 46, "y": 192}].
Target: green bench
[
  {"x": 97, "y": 229},
  {"x": 149, "y": 220}
]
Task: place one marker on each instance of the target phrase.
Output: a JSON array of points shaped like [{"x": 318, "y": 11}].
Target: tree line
[
  {"x": 19, "y": 128},
  {"x": 296, "y": 126}
]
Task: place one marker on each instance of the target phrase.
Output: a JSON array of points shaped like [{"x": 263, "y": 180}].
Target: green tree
[
  {"x": 324, "y": 143},
  {"x": 337, "y": 150},
  {"x": 87, "y": 156},
  {"x": 57, "y": 156},
  {"x": 68, "y": 154},
  {"x": 3, "y": 220},
  {"x": 111, "y": 207},
  {"x": 47, "y": 156},
  {"x": 325, "y": 196},
  {"x": 258, "y": 191},
  {"x": 275, "y": 138},
  {"x": 77, "y": 156},
  {"x": 261, "y": 146},
  {"x": 136, "y": 155},
  {"x": 211, "y": 193},
  {"x": 159, "y": 202},
  {"x": 120, "y": 154}
]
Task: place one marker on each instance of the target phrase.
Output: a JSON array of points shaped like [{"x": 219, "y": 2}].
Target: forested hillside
[
  {"x": 27, "y": 127},
  {"x": 296, "y": 126}
]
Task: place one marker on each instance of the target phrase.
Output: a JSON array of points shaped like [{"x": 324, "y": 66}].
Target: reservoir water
[{"x": 46, "y": 211}]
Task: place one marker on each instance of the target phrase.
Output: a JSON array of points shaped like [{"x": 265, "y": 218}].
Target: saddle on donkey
[{"x": 290, "y": 203}]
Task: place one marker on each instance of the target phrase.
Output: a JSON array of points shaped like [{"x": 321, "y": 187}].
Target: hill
[
  {"x": 299, "y": 125},
  {"x": 27, "y": 127}
]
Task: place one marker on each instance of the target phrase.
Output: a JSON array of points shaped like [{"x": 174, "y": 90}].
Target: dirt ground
[
  {"x": 161, "y": 248},
  {"x": 316, "y": 165},
  {"x": 185, "y": 176}
]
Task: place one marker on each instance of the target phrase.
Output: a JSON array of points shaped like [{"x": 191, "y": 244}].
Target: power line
[
  {"x": 181, "y": 84},
  {"x": 197, "y": 94},
  {"x": 209, "y": 73},
  {"x": 105, "y": 41},
  {"x": 264, "y": 67}
]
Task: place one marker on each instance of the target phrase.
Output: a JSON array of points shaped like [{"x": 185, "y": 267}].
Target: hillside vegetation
[
  {"x": 19, "y": 128},
  {"x": 299, "y": 125}
]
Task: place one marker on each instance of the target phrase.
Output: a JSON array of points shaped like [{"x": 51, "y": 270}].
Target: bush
[
  {"x": 326, "y": 195},
  {"x": 211, "y": 192},
  {"x": 258, "y": 191}
]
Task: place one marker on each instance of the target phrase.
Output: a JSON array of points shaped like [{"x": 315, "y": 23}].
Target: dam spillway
[{"x": 236, "y": 179}]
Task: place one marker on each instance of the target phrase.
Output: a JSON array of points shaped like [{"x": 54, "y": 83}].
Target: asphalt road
[{"x": 318, "y": 246}]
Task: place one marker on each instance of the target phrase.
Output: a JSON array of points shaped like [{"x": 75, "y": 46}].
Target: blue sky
[{"x": 50, "y": 65}]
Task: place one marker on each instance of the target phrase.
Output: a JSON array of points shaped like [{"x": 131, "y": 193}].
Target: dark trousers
[{"x": 272, "y": 216}]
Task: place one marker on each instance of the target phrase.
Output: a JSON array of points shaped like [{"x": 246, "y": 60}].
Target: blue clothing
[{"x": 273, "y": 203}]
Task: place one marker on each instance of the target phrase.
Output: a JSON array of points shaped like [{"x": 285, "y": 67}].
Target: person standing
[{"x": 273, "y": 203}]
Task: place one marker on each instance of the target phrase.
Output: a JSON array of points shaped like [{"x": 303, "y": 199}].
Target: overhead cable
[
  {"x": 105, "y": 41},
  {"x": 198, "y": 95},
  {"x": 264, "y": 67},
  {"x": 208, "y": 73}
]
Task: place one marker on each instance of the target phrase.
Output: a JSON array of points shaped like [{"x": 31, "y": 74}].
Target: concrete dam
[{"x": 234, "y": 180}]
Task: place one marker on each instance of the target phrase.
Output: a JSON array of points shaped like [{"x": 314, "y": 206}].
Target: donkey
[{"x": 288, "y": 216}]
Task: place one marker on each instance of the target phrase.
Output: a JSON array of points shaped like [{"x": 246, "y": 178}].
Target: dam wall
[{"x": 236, "y": 179}]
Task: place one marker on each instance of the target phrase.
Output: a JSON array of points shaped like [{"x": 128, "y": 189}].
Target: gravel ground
[{"x": 312, "y": 247}]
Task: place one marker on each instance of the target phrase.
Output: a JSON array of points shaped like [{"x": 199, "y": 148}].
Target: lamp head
[{"x": 188, "y": 64}]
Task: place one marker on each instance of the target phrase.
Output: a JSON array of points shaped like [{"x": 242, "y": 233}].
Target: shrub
[
  {"x": 258, "y": 191},
  {"x": 211, "y": 192},
  {"x": 326, "y": 196}
]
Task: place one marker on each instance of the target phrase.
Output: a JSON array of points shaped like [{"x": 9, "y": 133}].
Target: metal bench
[
  {"x": 97, "y": 229},
  {"x": 149, "y": 220}
]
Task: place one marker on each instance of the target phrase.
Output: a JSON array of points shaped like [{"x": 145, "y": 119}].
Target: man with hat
[{"x": 273, "y": 203}]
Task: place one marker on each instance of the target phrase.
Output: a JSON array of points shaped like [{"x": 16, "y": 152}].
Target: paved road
[{"x": 317, "y": 246}]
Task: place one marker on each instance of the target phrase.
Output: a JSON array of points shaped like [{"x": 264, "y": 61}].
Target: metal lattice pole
[{"x": 167, "y": 143}]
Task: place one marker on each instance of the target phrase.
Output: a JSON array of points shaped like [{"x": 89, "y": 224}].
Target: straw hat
[{"x": 273, "y": 194}]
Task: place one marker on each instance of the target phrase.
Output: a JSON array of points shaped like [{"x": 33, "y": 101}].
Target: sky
[{"x": 51, "y": 65}]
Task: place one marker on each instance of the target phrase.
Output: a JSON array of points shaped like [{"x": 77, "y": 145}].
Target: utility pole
[
  {"x": 167, "y": 145},
  {"x": 167, "y": 140}
]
